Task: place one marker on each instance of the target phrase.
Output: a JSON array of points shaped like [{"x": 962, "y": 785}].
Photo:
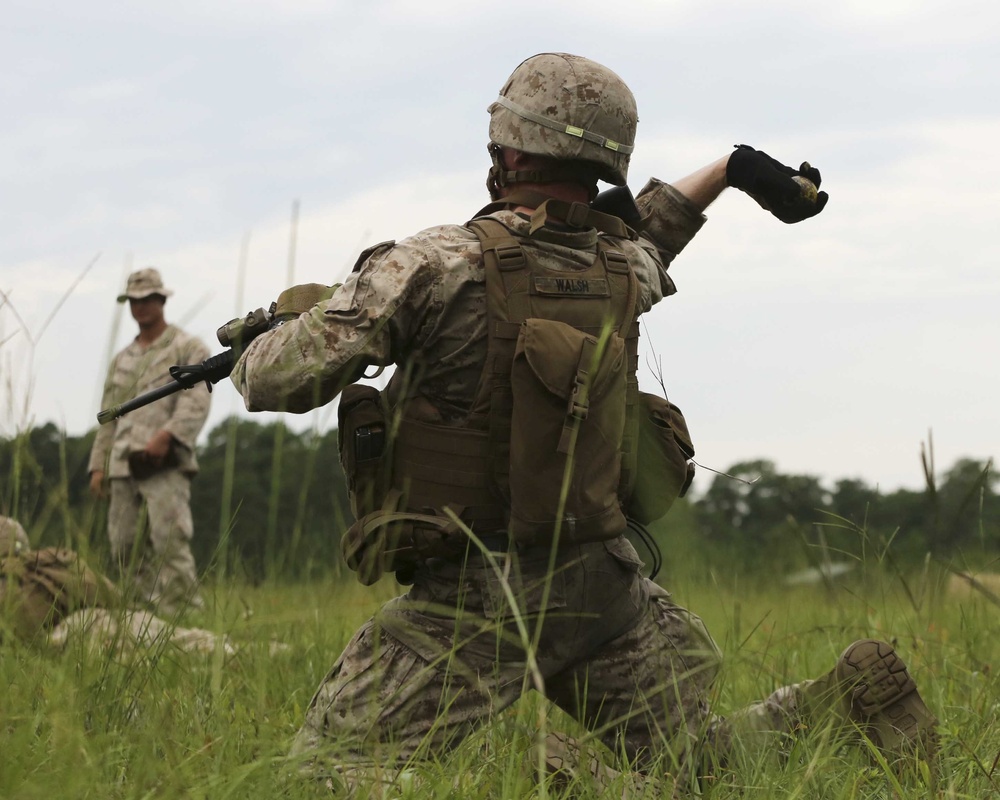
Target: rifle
[
  {"x": 619, "y": 202},
  {"x": 238, "y": 333},
  {"x": 234, "y": 335}
]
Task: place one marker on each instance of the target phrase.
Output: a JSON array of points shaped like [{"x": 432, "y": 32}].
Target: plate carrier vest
[{"x": 549, "y": 447}]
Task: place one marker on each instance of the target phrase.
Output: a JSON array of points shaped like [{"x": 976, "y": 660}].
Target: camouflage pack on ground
[{"x": 40, "y": 588}]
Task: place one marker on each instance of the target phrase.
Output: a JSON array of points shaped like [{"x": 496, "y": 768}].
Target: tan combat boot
[{"x": 883, "y": 700}]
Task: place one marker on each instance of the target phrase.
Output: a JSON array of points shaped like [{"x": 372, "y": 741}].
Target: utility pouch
[
  {"x": 567, "y": 423},
  {"x": 361, "y": 436},
  {"x": 141, "y": 467},
  {"x": 664, "y": 470},
  {"x": 394, "y": 540}
]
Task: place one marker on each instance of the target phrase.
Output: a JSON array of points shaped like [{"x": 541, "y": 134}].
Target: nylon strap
[
  {"x": 579, "y": 399},
  {"x": 577, "y": 215},
  {"x": 570, "y": 130}
]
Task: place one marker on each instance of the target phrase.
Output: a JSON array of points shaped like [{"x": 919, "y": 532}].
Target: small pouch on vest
[
  {"x": 664, "y": 470},
  {"x": 141, "y": 467},
  {"x": 567, "y": 424},
  {"x": 391, "y": 540},
  {"x": 371, "y": 545},
  {"x": 361, "y": 436}
]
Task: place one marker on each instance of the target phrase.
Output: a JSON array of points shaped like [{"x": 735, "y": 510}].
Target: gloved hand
[
  {"x": 776, "y": 188},
  {"x": 298, "y": 299}
]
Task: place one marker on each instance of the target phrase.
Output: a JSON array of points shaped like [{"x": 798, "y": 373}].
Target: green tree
[
  {"x": 966, "y": 507},
  {"x": 759, "y": 515},
  {"x": 853, "y": 500},
  {"x": 278, "y": 497},
  {"x": 273, "y": 503},
  {"x": 44, "y": 481},
  {"x": 864, "y": 520}
]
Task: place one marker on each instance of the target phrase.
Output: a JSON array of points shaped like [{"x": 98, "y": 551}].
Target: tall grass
[{"x": 160, "y": 723}]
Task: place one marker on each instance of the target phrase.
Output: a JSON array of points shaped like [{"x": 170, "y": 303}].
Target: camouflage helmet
[
  {"x": 567, "y": 107},
  {"x": 12, "y": 537}
]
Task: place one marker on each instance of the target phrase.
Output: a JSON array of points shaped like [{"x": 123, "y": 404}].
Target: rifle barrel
[
  {"x": 109, "y": 414},
  {"x": 211, "y": 370}
]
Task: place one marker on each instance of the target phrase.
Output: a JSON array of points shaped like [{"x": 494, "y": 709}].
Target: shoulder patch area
[{"x": 371, "y": 251}]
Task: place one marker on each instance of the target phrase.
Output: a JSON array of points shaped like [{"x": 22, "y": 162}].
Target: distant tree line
[
  {"x": 767, "y": 518},
  {"x": 267, "y": 501},
  {"x": 270, "y": 502}
]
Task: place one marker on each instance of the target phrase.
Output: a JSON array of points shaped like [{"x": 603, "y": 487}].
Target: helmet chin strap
[{"x": 500, "y": 177}]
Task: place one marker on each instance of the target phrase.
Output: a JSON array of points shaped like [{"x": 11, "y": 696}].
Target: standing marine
[
  {"x": 498, "y": 471},
  {"x": 146, "y": 459}
]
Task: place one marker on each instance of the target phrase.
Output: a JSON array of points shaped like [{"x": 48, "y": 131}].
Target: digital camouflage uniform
[
  {"x": 614, "y": 651},
  {"x": 149, "y": 519},
  {"x": 41, "y": 588}
]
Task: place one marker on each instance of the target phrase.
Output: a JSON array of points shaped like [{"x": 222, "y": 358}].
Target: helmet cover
[{"x": 567, "y": 107}]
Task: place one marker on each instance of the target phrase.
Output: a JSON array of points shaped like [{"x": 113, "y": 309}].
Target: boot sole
[{"x": 884, "y": 699}]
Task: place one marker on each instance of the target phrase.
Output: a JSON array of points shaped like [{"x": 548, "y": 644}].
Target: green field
[{"x": 161, "y": 723}]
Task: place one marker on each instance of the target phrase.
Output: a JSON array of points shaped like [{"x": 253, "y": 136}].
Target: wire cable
[{"x": 656, "y": 555}]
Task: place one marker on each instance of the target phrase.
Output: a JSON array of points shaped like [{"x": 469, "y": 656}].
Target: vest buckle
[
  {"x": 510, "y": 256},
  {"x": 578, "y": 215}
]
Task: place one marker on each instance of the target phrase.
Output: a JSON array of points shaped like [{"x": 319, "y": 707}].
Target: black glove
[{"x": 772, "y": 184}]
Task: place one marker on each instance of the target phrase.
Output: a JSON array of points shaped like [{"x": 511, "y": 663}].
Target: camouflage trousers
[
  {"x": 611, "y": 649},
  {"x": 150, "y": 530}
]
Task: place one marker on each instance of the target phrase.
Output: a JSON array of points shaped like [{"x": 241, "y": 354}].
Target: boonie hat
[{"x": 143, "y": 283}]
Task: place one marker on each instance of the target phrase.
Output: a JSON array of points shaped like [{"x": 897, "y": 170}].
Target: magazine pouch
[
  {"x": 567, "y": 423},
  {"x": 664, "y": 470},
  {"x": 361, "y": 436}
]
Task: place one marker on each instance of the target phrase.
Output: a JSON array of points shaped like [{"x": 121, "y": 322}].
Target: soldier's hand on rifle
[
  {"x": 789, "y": 194},
  {"x": 97, "y": 484}
]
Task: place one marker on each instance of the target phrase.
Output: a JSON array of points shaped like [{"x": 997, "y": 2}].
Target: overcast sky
[{"x": 180, "y": 135}]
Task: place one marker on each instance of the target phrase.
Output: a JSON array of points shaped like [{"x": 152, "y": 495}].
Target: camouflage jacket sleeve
[
  {"x": 100, "y": 451},
  {"x": 672, "y": 219},
  {"x": 374, "y": 318}
]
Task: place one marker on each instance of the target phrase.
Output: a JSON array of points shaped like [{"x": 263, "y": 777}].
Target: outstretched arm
[
  {"x": 673, "y": 213},
  {"x": 703, "y": 186}
]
